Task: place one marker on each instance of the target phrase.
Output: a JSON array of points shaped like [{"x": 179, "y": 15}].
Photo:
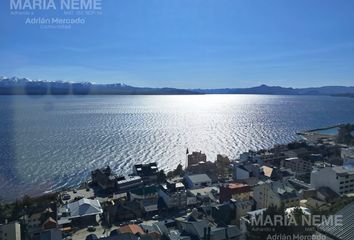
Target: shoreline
[{"x": 83, "y": 184}]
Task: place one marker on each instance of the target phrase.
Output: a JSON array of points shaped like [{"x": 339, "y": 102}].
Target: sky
[{"x": 187, "y": 44}]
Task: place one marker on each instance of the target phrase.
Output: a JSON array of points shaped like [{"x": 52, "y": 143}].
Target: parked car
[{"x": 65, "y": 197}]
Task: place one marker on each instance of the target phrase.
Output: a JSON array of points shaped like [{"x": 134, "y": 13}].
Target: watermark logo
[
  {"x": 305, "y": 220},
  {"x": 53, "y": 5},
  {"x": 56, "y": 14},
  {"x": 291, "y": 227}
]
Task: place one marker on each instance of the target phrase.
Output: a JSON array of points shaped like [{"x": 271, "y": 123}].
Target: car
[
  {"x": 66, "y": 197},
  {"x": 155, "y": 217},
  {"x": 74, "y": 191},
  {"x": 91, "y": 228}
]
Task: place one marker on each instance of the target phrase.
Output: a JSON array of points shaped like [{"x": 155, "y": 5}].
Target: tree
[{"x": 161, "y": 176}]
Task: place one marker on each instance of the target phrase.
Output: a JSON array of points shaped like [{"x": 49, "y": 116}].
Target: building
[
  {"x": 126, "y": 183},
  {"x": 205, "y": 194},
  {"x": 148, "y": 172},
  {"x": 201, "y": 229},
  {"x": 174, "y": 195},
  {"x": 82, "y": 212},
  {"x": 345, "y": 231},
  {"x": 195, "y": 158},
  {"x": 250, "y": 156},
  {"x": 10, "y": 231},
  {"x": 242, "y": 208},
  {"x": 247, "y": 170},
  {"x": 147, "y": 197},
  {"x": 321, "y": 198},
  {"x": 207, "y": 168},
  {"x": 41, "y": 219},
  {"x": 275, "y": 193},
  {"x": 198, "y": 181},
  {"x": 131, "y": 228},
  {"x": 104, "y": 178},
  {"x": 237, "y": 191},
  {"x": 222, "y": 164},
  {"x": 347, "y": 155},
  {"x": 297, "y": 165},
  {"x": 339, "y": 178}
]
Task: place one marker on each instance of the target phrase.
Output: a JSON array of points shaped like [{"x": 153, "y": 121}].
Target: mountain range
[{"x": 21, "y": 86}]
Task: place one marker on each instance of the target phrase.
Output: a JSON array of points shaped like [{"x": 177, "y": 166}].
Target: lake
[{"x": 51, "y": 142}]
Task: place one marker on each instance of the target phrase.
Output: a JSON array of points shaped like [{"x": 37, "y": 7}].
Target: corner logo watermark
[{"x": 55, "y": 14}]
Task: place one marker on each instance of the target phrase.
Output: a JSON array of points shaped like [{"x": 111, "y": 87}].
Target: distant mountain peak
[{"x": 15, "y": 85}]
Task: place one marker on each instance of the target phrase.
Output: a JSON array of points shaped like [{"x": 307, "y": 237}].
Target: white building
[
  {"x": 10, "y": 231},
  {"x": 339, "y": 178},
  {"x": 347, "y": 155},
  {"x": 84, "y": 211},
  {"x": 198, "y": 181},
  {"x": 275, "y": 193}
]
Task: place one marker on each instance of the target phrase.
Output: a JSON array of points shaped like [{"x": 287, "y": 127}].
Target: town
[{"x": 215, "y": 199}]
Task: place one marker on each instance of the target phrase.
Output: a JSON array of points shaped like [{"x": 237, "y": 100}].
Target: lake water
[{"x": 47, "y": 143}]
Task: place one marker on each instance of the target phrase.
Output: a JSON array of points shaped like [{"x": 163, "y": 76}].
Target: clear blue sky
[{"x": 190, "y": 44}]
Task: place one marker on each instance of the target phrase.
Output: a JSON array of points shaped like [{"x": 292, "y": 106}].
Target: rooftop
[
  {"x": 236, "y": 185},
  {"x": 344, "y": 231},
  {"x": 344, "y": 170},
  {"x": 131, "y": 228},
  {"x": 199, "y": 178},
  {"x": 84, "y": 207}
]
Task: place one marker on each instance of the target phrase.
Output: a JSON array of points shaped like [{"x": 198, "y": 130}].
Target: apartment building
[
  {"x": 338, "y": 178},
  {"x": 10, "y": 231}
]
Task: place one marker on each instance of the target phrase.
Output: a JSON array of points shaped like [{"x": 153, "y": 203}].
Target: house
[
  {"x": 131, "y": 228},
  {"x": 174, "y": 195},
  {"x": 230, "y": 212},
  {"x": 203, "y": 229},
  {"x": 224, "y": 213},
  {"x": 237, "y": 191},
  {"x": 40, "y": 219},
  {"x": 148, "y": 172},
  {"x": 82, "y": 212},
  {"x": 275, "y": 193},
  {"x": 321, "y": 198},
  {"x": 104, "y": 178},
  {"x": 250, "y": 156},
  {"x": 166, "y": 228},
  {"x": 338, "y": 178},
  {"x": 242, "y": 207},
  {"x": 247, "y": 170},
  {"x": 197, "y": 181},
  {"x": 10, "y": 231}
]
